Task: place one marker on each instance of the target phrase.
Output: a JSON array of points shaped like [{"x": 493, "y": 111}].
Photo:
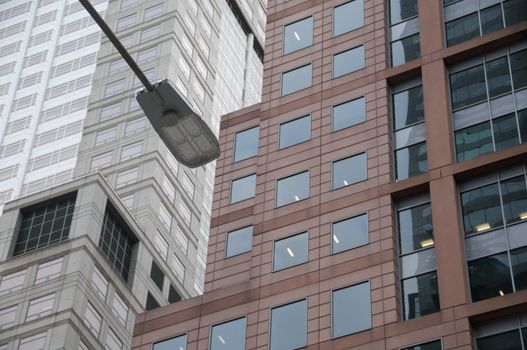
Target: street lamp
[{"x": 180, "y": 127}]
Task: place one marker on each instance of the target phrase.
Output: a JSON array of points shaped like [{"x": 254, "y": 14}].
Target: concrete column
[{"x": 431, "y": 33}]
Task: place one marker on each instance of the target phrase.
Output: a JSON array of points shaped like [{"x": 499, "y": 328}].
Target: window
[
  {"x": 298, "y": 35},
  {"x": 350, "y": 310},
  {"x": 135, "y": 125},
  {"x": 348, "y": 17},
  {"x": 150, "y": 33},
  {"x": 239, "y": 241},
  {"x": 101, "y": 161},
  {"x": 105, "y": 136},
  {"x": 488, "y": 109},
  {"x": 8, "y": 317},
  {"x": 246, "y": 144},
  {"x": 296, "y": 79},
  {"x": 434, "y": 345},
  {"x": 494, "y": 212},
  {"x": 45, "y": 224},
  {"x": 112, "y": 341},
  {"x": 151, "y": 302},
  {"x": 12, "y": 282},
  {"x": 416, "y": 246},
  {"x": 132, "y": 150},
  {"x": 350, "y": 170},
  {"x": 348, "y": 113},
  {"x": 173, "y": 295},
  {"x": 178, "y": 268},
  {"x": 119, "y": 309},
  {"x": 157, "y": 276},
  {"x": 292, "y": 189},
  {"x": 464, "y": 22},
  {"x": 126, "y": 22},
  {"x": 161, "y": 245},
  {"x": 99, "y": 283},
  {"x": 49, "y": 270},
  {"x": 179, "y": 343},
  {"x": 35, "y": 342},
  {"x": 110, "y": 111},
  {"x": 295, "y": 131},
  {"x": 288, "y": 326},
  {"x": 243, "y": 188},
  {"x": 92, "y": 320},
  {"x": 40, "y": 307},
  {"x": 117, "y": 242},
  {"x": 508, "y": 333},
  {"x": 127, "y": 177},
  {"x": 114, "y": 88},
  {"x": 348, "y": 61},
  {"x": 409, "y": 130},
  {"x": 229, "y": 335},
  {"x": 153, "y": 12},
  {"x": 290, "y": 251},
  {"x": 404, "y": 31},
  {"x": 349, "y": 233}
]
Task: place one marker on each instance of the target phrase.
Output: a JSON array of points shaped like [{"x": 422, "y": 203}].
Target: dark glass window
[
  {"x": 290, "y": 251},
  {"x": 519, "y": 267},
  {"x": 45, "y": 224},
  {"x": 473, "y": 141},
  {"x": 289, "y": 326},
  {"x": 411, "y": 161},
  {"x": 246, "y": 144},
  {"x": 408, "y": 107},
  {"x": 157, "y": 276},
  {"x": 243, "y": 188},
  {"x": 503, "y": 341},
  {"x": 514, "y": 198},
  {"x": 481, "y": 209},
  {"x": 229, "y": 335},
  {"x": 117, "y": 241},
  {"x": 349, "y": 113},
  {"x": 295, "y": 131},
  {"x": 405, "y": 50},
  {"x": 296, "y": 79},
  {"x": 421, "y": 296},
  {"x": 401, "y": 10},
  {"x": 239, "y": 241},
  {"x": 348, "y": 61},
  {"x": 348, "y": 17},
  {"x": 351, "y": 310},
  {"x": 349, "y": 233},
  {"x": 298, "y": 35},
  {"x": 350, "y": 170},
  {"x": 519, "y": 69},
  {"x": 415, "y": 228},
  {"x": 522, "y": 121},
  {"x": 489, "y": 277},
  {"x": 498, "y": 76},
  {"x": 151, "y": 302},
  {"x": 292, "y": 189},
  {"x": 176, "y": 343},
  {"x": 491, "y": 19},
  {"x": 173, "y": 295},
  {"x": 515, "y": 11},
  {"x": 505, "y": 132},
  {"x": 462, "y": 29},
  {"x": 468, "y": 87},
  {"x": 434, "y": 345}
]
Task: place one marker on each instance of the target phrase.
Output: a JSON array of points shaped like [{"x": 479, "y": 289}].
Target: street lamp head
[{"x": 180, "y": 127}]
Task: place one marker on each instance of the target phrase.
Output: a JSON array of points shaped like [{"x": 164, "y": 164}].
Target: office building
[{"x": 377, "y": 197}]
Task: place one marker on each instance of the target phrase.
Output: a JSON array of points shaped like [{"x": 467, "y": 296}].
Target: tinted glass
[
  {"x": 405, "y": 50},
  {"x": 348, "y": 61},
  {"x": 415, "y": 228},
  {"x": 349, "y": 113},
  {"x": 177, "y": 343},
  {"x": 421, "y": 296},
  {"x": 239, "y": 241},
  {"x": 295, "y": 131},
  {"x": 505, "y": 132},
  {"x": 519, "y": 267},
  {"x": 173, "y": 295},
  {"x": 522, "y": 121},
  {"x": 401, "y": 10},
  {"x": 481, "y": 209},
  {"x": 156, "y": 274},
  {"x": 473, "y": 141},
  {"x": 435, "y": 345},
  {"x": 292, "y": 189},
  {"x": 290, "y": 251},
  {"x": 515, "y": 11},
  {"x": 351, "y": 310},
  {"x": 350, "y": 170},
  {"x": 408, "y": 107},
  {"x": 151, "y": 302},
  {"x": 296, "y": 80},
  {"x": 462, "y": 29},
  {"x": 246, "y": 144},
  {"x": 504, "y": 341},
  {"x": 514, "y": 197},
  {"x": 349, "y": 233},
  {"x": 298, "y": 35},
  {"x": 489, "y": 277},
  {"x": 411, "y": 161},
  {"x": 243, "y": 188},
  {"x": 519, "y": 69},
  {"x": 468, "y": 87},
  {"x": 289, "y": 326},
  {"x": 348, "y": 16},
  {"x": 491, "y": 19},
  {"x": 229, "y": 335},
  {"x": 498, "y": 77}
]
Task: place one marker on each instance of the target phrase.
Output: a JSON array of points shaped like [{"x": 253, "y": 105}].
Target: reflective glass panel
[
  {"x": 405, "y": 50},
  {"x": 348, "y": 61},
  {"x": 481, "y": 209},
  {"x": 349, "y": 233},
  {"x": 468, "y": 87},
  {"x": 421, "y": 296},
  {"x": 351, "y": 310},
  {"x": 473, "y": 141},
  {"x": 298, "y": 35},
  {"x": 498, "y": 76},
  {"x": 514, "y": 197},
  {"x": 411, "y": 161},
  {"x": 401, "y": 10},
  {"x": 296, "y": 79},
  {"x": 229, "y": 335},
  {"x": 415, "y": 228},
  {"x": 462, "y": 29},
  {"x": 292, "y": 189},
  {"x": 515, "y": 11},
  {"x": 348, "y": 16},
  {"x": 519, "y": 69},
  {"x": 295, "y": 131},
  {"x": 246, "y": 144},
  {"x": 503, "y": 341},
  {"x": 176, "y": 343},
  {"x": 519, "y": 267},
  {"x": 491, "y": 19},
  {"x": 290, "y": 251},
  {"x": 435, "y": 345},
  {"x": 408, "y": 107},
  {"x": 239, "y": 241},
  {"x": 522, "y": 121},
  {"x": 505, "y": 132},
  {"x": 349, "y": 113},
  {"x": 350, "y": 170},
  {"x": 489, "y": 277},
  {"x": 289, "y": 326},
  {"x": 243, "y": 188}
]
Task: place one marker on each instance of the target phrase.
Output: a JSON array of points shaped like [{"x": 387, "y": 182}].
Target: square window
[
  {"x": 239, "y": 241},
  {"x": 290, "y": 251},
  {"x": 348, "y": 61},
  {"x": 351, "y": 310},
  {"x": 229, "y": 335},
  {"x": 246, "y": 144},
  {"x": 349, "y": 113},
  {"x": 292, "y": 189},
  {"x": 179, "y": 343},
  {"x": 8, "y": 317},
  {"x": 348, "y": 17},
  {"x": 296, "y": 79},
  {"x": 411, "y": 161},
  {"x": 40, "y": 307},
  {"x": 421, "y": 296},
  {"x": 298, "y": 35},
  {"x": 49, "y": 270},
  {"x": 243, "y": 188},
  {"x": 349, "y": 233},
  {"x": 295, "y": 131},
  {"x": 483, "y": 287},
  {"x": 405, "y": 50},
  {"x": 408, "y": 107},
  {"x": 350, "y": 170},
  {"x": 402, "y": 10},
  {"x": 288, "y": 326}
]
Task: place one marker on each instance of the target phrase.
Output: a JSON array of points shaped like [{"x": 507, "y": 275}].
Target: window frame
[
  {"x": 231, "y": 202},
  {"x": 270, "y": 319},
  {"x": 286, "y": 177},
  {"x": 333, "y": 290},
  {"x": 211, "y": 327},
  {"x": 282, "y": 94},
  {"x": 292, "y": 121},
  {"x": 332, "y": 251},
  {"x": 294, "y": 22},
  {"x": 234, "y": 160},
  {"x": 349, "y": 50},
  {"x": 227, "y": 241},
  {"x": 273, "y": 269},
  {"x": 333, "y": 35},
  {"x": 333, "y": 188}
]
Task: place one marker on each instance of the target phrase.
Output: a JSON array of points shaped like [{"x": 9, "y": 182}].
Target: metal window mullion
[
  {"x": 478, "y": 11},
  {"x": 513, "y": 91},
  {"x": 488, "y": 104},
  {"x": 506, "y": 235},
  {"x": 55, "y": 210}
]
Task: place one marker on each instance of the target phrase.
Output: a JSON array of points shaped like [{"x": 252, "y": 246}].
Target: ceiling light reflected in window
[{"x": 290, "y": 252}]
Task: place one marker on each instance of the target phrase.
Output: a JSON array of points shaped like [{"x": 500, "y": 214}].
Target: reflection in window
[
  {"x": 246, "y": 144},
  {"x": 296, "y": 79},
  {"x": 348, "y": 16},
  {"x": 292, "y": 189},
  {"x": 348, "y": 61},
  {"x": 421, "y": 296},
  {"x": 349, "y": 113},
  {"x": 176, "y": 343},
  {"x": 239, "y": 241},
  {"x": 290, "y": 251},
  {"x": 350, "y": 170},
  {"x": 288, "y": 326},
  {"x": 405, "y": 43},
  {"x": 351, "y": 310},
  {"x": 229, "y": 335},
  {"x": 435, "y": 345},
  {"x": 295, "y": 131},
  {"x": 298, "y": 35},
  {"x": 243, "y": 188},
  {"x": 349, "y": 233}
]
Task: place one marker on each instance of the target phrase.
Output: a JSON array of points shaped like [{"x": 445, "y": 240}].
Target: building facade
[{"x": 376, "y": 198}]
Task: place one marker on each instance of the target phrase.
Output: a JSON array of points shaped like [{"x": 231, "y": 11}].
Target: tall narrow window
[{"x": 404, "y": 31}]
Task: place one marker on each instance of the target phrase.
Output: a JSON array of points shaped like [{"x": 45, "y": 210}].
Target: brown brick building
[{"x": 376, "y": 198}]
